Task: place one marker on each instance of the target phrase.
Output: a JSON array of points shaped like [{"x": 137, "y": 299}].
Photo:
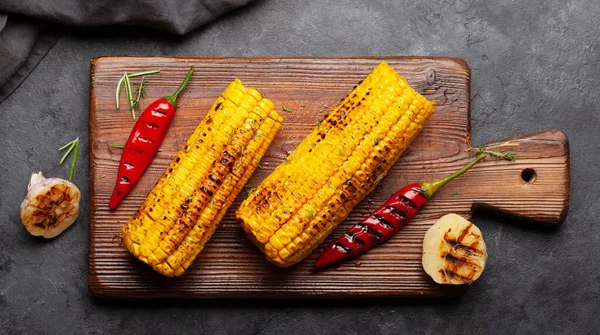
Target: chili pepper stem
[
  {"x": 429, "y": 188},
  {"x": 172, "y": 99}
]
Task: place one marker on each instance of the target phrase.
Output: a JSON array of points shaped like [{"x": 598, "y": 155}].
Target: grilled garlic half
[
  {"x": 50, "y": 207},
  {"x": 454, "y": 251}
]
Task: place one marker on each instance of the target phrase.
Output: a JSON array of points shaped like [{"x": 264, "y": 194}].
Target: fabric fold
[{"x": 20, "y": 22}]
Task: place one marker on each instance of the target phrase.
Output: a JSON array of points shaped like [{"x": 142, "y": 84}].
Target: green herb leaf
[
  {"x": 143, "y": 73},
  {"x": 340, "y": 152},
  {"x": 129, "y": 95},
  {"x": 286, "y": 109},
  {"x": 62, "y": 160},
  {"x": 69, "y": 146},
  {"x": 66, "y": 145},
  {"x": 140, "y": 93},
  {"x": 100, "y": 176},
  {"x": 310, "y": 213},
  {"x": 211, "y": 203},
  {"x": 454, "y": 194},
  {"x": 290, "y": 157},
  {"x": 509, "y": 156},
  {"x": 74, "y": 159},
  {"x": 118, "y": 92},
  {"x": 122, "y": 81},
  {"x": 258, "y": 164},
  {"x": 248, "y": 189},
  {"x": 376, "y": 141},
  {"x": 319, "y": 125},
  {"x": 243, "y": 149},
  {"x": 481, "y": 150},
  {"x": 72, "y": 147},
  {"x": 258, "y": 133}
]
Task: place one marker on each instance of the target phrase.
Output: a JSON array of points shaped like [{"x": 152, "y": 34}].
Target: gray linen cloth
[{"x": 22, "y": 47}]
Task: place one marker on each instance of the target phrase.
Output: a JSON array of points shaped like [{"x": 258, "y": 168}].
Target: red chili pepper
[
  {"x": 144, "y": 141},
  {"x": 387, "y": 219}
]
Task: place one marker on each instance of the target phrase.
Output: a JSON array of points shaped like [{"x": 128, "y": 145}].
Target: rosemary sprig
[
  {"x": 286, "y": 109},
  {"x": 128, "y": 94},
  {"x": 140, "y": 93},
  {"x": 118, "y": 92},
  {"x": 319, "y": 125},
  {"x": 74, "y": 159},
  {"x": 143, "y": 73},
  {"x": 73, "y": 147},
  {"x": 69, "y": 146},
  {"x": 130, "y": 75},
  {"x": 481, "y": 150},
  {"x": 310, "y": 213},
  {"x": 509, "y": 156},
  {"x": 100, "y": 176},
  {"x": 258, "y": 133},
  {"x": 454, "y": 194}
]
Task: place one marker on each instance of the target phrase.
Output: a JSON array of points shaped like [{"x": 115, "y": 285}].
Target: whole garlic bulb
[{"x": 50, "y": 207}]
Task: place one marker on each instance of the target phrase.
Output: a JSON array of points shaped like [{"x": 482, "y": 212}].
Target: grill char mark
[
  {"x": 383, "y": 222},
  {"x": 352, "y": 238},
  {"x": 369, "y": 230},
  {"x": 396, "y": 212},
  {"x": 342, "y": 248},
  {"x": 406, "y": 201}
]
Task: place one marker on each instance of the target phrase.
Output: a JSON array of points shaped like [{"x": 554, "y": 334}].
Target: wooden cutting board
[{"x": 535, "y": 187}]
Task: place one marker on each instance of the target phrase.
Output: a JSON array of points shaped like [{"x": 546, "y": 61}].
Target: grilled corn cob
[
  {"x": 185, "y": 206},
  {"x": 298, "y": 205}
]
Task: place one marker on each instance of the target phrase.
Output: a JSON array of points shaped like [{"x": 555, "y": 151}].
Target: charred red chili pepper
[
  {"x": 391, "y": 216},
  {"x": 144, "y": 142}
]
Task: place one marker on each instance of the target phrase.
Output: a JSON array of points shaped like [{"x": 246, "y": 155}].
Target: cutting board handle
[{"x": 534, "y": 187}]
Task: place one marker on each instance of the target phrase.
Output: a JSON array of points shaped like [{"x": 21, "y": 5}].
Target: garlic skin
[{"x": 50, "y": 207}]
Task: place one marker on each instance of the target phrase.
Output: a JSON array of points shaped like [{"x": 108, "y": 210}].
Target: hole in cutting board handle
[{"x": 528, "y": 175}]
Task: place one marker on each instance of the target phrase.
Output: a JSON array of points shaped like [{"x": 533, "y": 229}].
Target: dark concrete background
[{"x": 535, "y": 66}]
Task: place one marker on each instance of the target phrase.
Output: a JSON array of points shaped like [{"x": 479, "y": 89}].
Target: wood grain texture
[{"x": 230, "y": 266}]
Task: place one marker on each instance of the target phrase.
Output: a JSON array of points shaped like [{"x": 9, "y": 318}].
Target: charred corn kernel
[
  {"x": 305, "y": 198},
  {"x": 185, "y": 206}
]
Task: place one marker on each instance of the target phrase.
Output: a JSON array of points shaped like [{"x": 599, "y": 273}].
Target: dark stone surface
[{"x": 535, "y": 66}]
